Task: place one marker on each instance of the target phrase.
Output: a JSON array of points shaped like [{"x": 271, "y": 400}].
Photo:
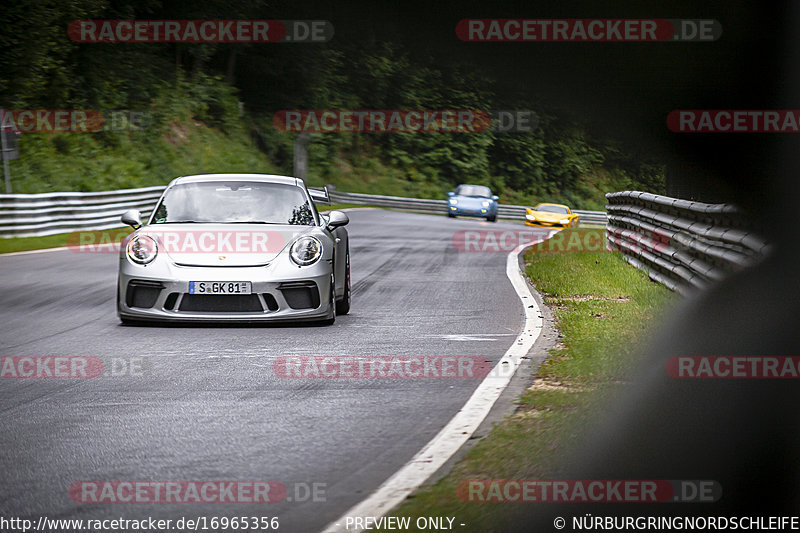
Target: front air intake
[
  {"x": 142, "y": 293},
  {"x": 300, "y": 294}
]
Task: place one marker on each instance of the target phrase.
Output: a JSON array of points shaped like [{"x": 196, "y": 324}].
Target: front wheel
[
  {"x": 343, "y": 305},
  {"x": 492, "y": 218}
]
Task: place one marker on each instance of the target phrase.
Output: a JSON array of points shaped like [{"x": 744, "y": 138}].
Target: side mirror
[
  {"x": 337, "y": 219},
  {"x": 132, "y": 218},
  {"x": 495, "y": 198},
  {"x": 451, "y": 193}
]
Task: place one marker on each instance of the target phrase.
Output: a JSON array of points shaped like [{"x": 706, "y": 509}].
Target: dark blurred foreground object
[{"x": 742, "y": 433}]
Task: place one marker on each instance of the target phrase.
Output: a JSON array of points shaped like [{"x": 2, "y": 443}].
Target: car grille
[
  {"x": 298, "y": 295},
  {"x": 221, "y": 303}
]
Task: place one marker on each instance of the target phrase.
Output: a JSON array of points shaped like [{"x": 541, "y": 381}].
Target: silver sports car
[{"x": 235, "y": 247}]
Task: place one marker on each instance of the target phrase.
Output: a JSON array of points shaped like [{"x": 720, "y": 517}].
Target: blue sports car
[{"x": 472, "y": 201}]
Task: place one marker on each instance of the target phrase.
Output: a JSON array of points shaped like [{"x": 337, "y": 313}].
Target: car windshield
[
  {"x": 547, "y": 208},
  {"x": 474, "y": 190},
  {"x": 235, "y": 202}
]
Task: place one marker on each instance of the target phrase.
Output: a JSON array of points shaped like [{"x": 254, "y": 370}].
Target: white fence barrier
[{"x": 29, "y": 215}]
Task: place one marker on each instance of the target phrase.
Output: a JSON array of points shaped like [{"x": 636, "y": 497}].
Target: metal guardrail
[
  {"x": 440, "y": 206},
  {"x": 35, "y": 215},
  {"x": 683, "y": 244},
  {"x": 29, "y": 215}
]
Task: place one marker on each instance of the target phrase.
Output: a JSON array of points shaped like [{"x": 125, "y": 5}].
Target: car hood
[
  {"x": 223, "y": 245},
  {"x": 545, "y": 216},
  {"x": 472, "y": 201}
]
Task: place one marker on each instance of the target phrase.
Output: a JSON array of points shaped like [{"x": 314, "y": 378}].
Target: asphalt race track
[{"x": 204, "y": 402}]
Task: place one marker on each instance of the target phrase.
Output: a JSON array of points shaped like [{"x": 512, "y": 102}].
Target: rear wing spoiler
[{"x": 320, "y": 195}]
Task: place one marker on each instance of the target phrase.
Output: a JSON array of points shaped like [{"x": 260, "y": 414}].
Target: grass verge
[
  {"x": 74, "y": 238},
  {"x": 603, "y": 308}
]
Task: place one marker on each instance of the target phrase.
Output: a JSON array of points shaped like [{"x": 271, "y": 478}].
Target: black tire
[
  {"x": 343, "y": 305},
  {"x": 451, "y": 215},
  {"x": 492, "y": 219}
]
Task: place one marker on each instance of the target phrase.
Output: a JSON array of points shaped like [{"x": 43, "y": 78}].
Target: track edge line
[{"x": 463, "y": 425}]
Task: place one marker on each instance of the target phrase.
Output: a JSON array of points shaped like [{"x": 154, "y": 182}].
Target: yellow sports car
[{"x": 550, "y": 215}]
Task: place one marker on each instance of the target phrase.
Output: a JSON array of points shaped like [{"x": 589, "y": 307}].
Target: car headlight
[
  {"x": 564, "y": 221},
  {"x": 453, "y": 201},
  {"x": 485, "y": 203},
  {"x": 142, "y": 249},
  {"x": 530, "y": 217},
  {"x": 306, "y": 251}
]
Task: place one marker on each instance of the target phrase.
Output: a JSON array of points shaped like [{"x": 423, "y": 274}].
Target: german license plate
[{"x": 219, "y": 287}]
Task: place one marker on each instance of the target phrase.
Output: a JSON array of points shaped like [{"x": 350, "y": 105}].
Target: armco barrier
[
  {"x": 440, "y": 206},
  {"x": 29, "y": 215},
  {"x": 683, "y": 244}
]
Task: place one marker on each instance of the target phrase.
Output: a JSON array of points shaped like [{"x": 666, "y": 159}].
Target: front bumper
[
  {"x": 531, "y": 220},
  {"x": 539, "y": 224},
  {"x": 295, "y": 295},
  {"x": 482, "y": 212}
]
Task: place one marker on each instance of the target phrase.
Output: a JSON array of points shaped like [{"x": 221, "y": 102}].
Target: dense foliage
[{"x": 210, "y": 108}]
